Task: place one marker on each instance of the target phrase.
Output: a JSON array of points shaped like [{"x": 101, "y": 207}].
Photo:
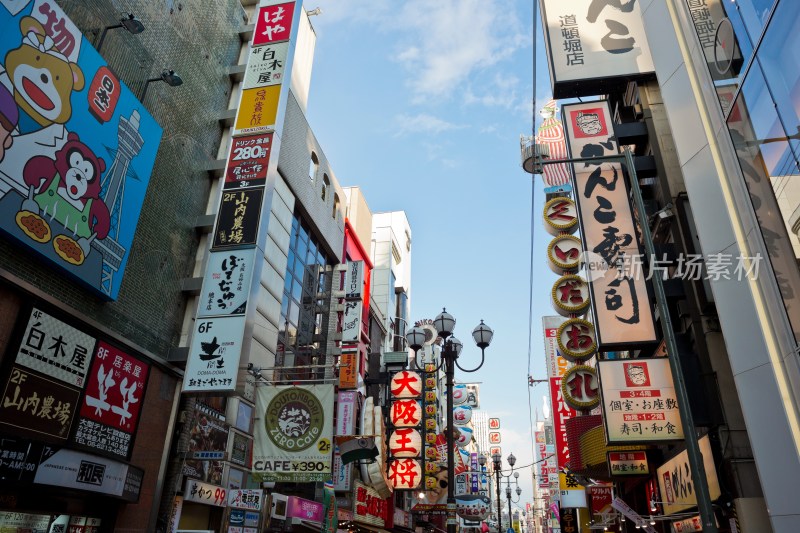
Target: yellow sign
[{"x": 257, "y": 109}]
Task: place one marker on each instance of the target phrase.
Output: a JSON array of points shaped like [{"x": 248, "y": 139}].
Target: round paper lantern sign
[
  {"x": 464, "y": 436},
  {"x": 576, "y": 340},
  {"x": 405, "y": 413},
  {"x": 406, "y": 384},
  {"x": 564, "y": 254},
  {"x": 560, "y": 216},
  {"x": 405, "y": 442},
  {"x": 459, "y": 393},
  {"x": 579, "y": 387},
  {"x": 462, "y": 415},
  {"x": 404, "y": 474},
  {"x": 570, "y": 295},
  {"x": 473, "y": 506}
]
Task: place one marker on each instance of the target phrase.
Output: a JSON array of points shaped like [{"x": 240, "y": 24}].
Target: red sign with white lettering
[
  {"x": 274, "y": 24},
  {"x": 561, "y": 413}
]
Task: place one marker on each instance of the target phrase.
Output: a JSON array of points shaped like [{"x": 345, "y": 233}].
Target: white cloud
[
  {"x": 422, "y": 122},
  {"x": 457, "y": 39}
]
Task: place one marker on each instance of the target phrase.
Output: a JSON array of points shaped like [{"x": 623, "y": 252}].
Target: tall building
[{"x": 709, "y": 111}]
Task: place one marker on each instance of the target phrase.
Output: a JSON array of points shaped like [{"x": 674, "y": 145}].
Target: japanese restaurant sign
[
  {"x": 248, "y": 161},
  {"x": 109, "y": 414},
  {"x": 265, "y": 65},
  {"x": 675, "y": 483},
  {"x": 589, "y": 40},
  {"x": 369, "y": 507},
  {"x": 56, "y": 349},
  {"x": 34, "y": 405},
  {"x": 237, "y": 218},
  {"x": 354, "y": 280},
  {"x": 628, "y": 463},
  {"x": 205, "y": 493},
  {"x": 406, "y": 445},
  {"x": 213, "y": 361},
  {"x": 226, "y": 284},
  {"x": 621, "y": 307},
  {"x": 639, "y": 401}
]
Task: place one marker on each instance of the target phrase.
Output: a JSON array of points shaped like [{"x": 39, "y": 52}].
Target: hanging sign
[
  {"x": 238, "y": 217},
  {"x": 579, "y": 388},
  {"x": 675, "y": 483},
  {"x": 570, "y": 295},
  {"x": 248, "y": 161},
  {"x": 213, "y": 361},
  {"x": 560, "y": 216}
]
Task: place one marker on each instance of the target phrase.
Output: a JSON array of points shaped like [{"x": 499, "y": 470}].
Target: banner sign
[
  {"x": 628, "y": 463},
  {"x": 675, "y": 480},
  {"x": 248, "y": 161},
  {"x": 293, "y": 437},
  {"x": 249, "y": 499},
  {"x": 226, "y": 283},
  {"x": 345, "y": 425},
  {"x": 623, "y": 316},
  {"x": 354, "y": 280},
  {"x": 35, "y": 406},
  {"x": 351, "y": 323},
  {"x": 56, "y": 349},
  {"x": 78, "y": 148},
  {"x": 213, "y": 361},
  {"x": 265, "y": 65},
  {"x": 205, "y": 493},
  {"x": 109, "y": 413},
  {"x": 639, "y": 401},
  {"x": 588, "y": 41},
  {"x": 238, "y": 217},
  {"x": 369, "y": 507}
]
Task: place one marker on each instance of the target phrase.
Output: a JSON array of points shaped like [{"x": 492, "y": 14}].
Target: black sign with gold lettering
[
  {"x": 238, "y": 217},
  {"x": 569, "y": 521}
]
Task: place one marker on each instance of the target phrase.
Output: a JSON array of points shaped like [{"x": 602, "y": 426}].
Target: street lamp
[
  {"x": 498, "y": 467},
  {"x": 482, "y": 334}
]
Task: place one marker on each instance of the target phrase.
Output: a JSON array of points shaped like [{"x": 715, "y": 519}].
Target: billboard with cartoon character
[{"x": 76, "y": 147}]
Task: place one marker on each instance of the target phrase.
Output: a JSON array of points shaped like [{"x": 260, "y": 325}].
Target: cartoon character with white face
[{"x": 589, "y": 123}]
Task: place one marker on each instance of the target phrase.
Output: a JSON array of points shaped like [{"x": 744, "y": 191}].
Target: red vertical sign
[
  {"x": 561, "y": 413},
  {"x": 274, "y": 24}
]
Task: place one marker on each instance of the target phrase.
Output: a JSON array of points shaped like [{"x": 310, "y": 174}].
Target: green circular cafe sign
[{"x": 294, "y": 419}]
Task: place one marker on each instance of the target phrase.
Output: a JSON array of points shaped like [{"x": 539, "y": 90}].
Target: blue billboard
[{"x": 76, "y": 147}]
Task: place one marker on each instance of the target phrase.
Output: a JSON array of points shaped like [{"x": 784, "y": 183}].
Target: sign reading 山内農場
[{"x": 76, "y": 147}]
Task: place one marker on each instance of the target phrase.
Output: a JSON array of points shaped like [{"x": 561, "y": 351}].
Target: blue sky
[{"x": 421, "y": 104}]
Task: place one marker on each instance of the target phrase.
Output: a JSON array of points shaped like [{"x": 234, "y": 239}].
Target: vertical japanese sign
[
  {"x": 78, "y": 148},
  {"x": 109, "y": 414},
  {"x": 556, "y": 368},
  {"x": 354, "y": 280},
  {"x": 405, "y": 442},
  {"x": 216, "y": 344},
  {"x": 351, "y": 323},
  {"x": 345, "y": 425},
  {"x": 293, "y": 437},
  {"x": 639, "y": 401},
  {"x": 588, "y": 40},
  {"x": 622, "y": 312}
]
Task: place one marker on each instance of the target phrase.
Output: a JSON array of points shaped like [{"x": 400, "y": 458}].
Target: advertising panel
[
  {"x": 369, "y": 507},
  {"x": 274, "y": 23},
  {"x": 237, "y": 218},
  {"x": 240, "y": 449},
  {"x": 588, "y": 40},
  {"x": 354, "y": 280},
  {"x": 675, "y": 480},
  {"x": 628, "y": 463},
  {"x": 351, "y": 324},
  {"x": 474, "y": 395},
  {"x": 34, "y": 405},
  {"x": 293, "y": 437},
  {"x": 76, "y": 470},
  {"x": 345, "y": 425},
  {"x": 213, "y": 361},
  {"x": 78, "y": 148},
  {"x": 620, "y": 301},
  {"x": 226, "y": 283},
  {"x": 556, "y": 365},
  {"x": 639, "y": 401},
  {"x": 249, "y": 499},
  {"x": 248, "y": 161},
  {"x": 109, "y": 413},
  {"x": 258, "y": 109},
  {"x": 266, "y": 65},
  {"x": 56, "y": 349},
  {"x": 205, "y": 493},
  {"x": 348, "y": 369}
]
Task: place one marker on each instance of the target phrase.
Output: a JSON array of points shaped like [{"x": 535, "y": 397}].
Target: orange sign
[
  {"x": 257, "y": 110},
  {"x": 348, "y": 370}
]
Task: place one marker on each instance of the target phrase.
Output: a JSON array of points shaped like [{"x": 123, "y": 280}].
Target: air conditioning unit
[{"x": 279, "y": 505}]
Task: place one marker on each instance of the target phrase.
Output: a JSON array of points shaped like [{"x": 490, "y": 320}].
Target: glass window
[
  {"x": 754, "y": 13},
  {"x": 287, "y": 283},
  {"x": 299, "y": 268},
  {"x": 284, "y": 309},
  {"x": 764, "y": 155},
  {"x": 326, "y": 183},
  {"x": 779, "y": 57},
  {"x": 294, "y": 313},
  {"x": 297, "y": 290},
  {"x": 301, "y": 250},
  {"x": 303, "y": 234}
]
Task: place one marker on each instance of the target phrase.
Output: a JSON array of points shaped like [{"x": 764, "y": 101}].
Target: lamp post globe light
[
  {"x": 498, "y": 472},
  {"x": 445, "y": 323}
]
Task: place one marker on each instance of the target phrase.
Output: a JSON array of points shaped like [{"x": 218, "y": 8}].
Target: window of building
[
  {"x": 335, "y": 213},
  {"x": 326, "y": 183},
  {"x": 313, "y": 166}
]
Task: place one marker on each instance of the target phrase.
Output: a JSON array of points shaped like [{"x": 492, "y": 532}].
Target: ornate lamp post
[
  {"x": 451, "y": 348},
  {"x": 498, "y": 472}
]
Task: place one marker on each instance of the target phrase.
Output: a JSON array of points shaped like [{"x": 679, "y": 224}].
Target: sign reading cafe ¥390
[{"x": 76, "y": 147}]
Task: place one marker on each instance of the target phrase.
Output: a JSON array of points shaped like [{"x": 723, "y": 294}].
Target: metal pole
[
  {"x": 508, "y": 497},
  {"x": 499, "y": 511},
  {"x": 687, "y": 420},
  {"x": 449, "y": 357}
]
